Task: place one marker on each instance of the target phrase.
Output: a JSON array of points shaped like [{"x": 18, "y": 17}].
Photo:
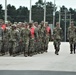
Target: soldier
[
  {"x": 36, "y": 38},
  {"x": 71, "y": 37},
  {"x": 25, "y": 38},
  {"x": 1, "y": 38},
  {"x": 6, "y": 28},
  {"x": 19, "y": 29},
  {"x": 42, "y": 34},
  {"x": 32, "y": 39},
  {"x": 48, "y": 35},
  {"x": 57, "y": 34},
  {"x": 5, "y": 41},
  {"x": 14, "y": 39}
]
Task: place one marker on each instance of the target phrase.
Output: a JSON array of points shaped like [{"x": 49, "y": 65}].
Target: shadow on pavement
[{"x": 25, "y": 72}]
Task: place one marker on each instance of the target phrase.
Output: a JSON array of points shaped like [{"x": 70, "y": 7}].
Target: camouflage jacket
[
  {"x": 1, "y": 34},
  {"x": 25, "y": 34},
  {"x": 13, "y": 35},
  {"x": 71, "y": 32},
  {"x": 57, "y": 33}
]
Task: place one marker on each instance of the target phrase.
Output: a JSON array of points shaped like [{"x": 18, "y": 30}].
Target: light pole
[
  {"x": 54, "y": 16},
  {"x": 59, "y": 15},
  {"x": 44, "y": 12},
  {"x": 65, "y": 25},
  {"x": 5, "y": 10},
  {"x": 30, "y": 12},
  {"x": 70, "y": 17}
]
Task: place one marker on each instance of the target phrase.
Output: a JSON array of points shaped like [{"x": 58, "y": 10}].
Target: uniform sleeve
[
  {"x": 50, "y": 35},
  {"x": 17, "y": 36},
  {"x": 53, "y": 32},
  {"x": 36, "y": 34}
]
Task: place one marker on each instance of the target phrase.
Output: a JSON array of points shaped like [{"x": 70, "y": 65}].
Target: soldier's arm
[
  {"x": 18, "y": 35},
  {"x": 36, "y": 34},
  {"x": 50, "y": 35},
  {"x": 2, "y": 34},
  {"x": 8, "y": 34}
]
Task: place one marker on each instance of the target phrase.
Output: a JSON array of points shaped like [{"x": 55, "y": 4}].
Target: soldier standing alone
[
  {"x": 57, "y": 33},
  {"x": 71, "y": 37}
]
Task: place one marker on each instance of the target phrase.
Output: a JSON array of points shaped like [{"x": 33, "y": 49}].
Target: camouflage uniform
[
  {"x": 1, "y": 40},
  {"x": 48, "y": 36},
  {"x": 20, "y": 29},
  {"x": 57, "y": 33},
  {"x": 32, "y": 40},
  {"x": 42, "y": 34},
  {"x": 25, "y": 39},
  {"x": 5, "y": 41},
  {"x": 5, "y": 36},
  {"x": 36, "y": 38},
  {"x": 14, "y": 39},
  {"x": 71, "y": 37}
]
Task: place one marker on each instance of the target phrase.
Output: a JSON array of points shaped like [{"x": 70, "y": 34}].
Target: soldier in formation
[
  {"x": 33, "y": 38},
  {"x": 24, "y": 38}
]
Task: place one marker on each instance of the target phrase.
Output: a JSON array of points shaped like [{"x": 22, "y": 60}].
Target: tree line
[{"x": 22, "y": 13}]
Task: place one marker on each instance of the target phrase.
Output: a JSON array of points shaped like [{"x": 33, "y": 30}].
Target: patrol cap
[
  {"x": 13, "y": 25},
  {"x": 30, "y": 24},
  {"x": 57, "y": 23},
  {"x": 15, "y": 22},
  {"x": 19, "y": 22},
  {"x": 46, "y": 22},
  {"x": 35, "y": 22},
  {"x": 25, "y": 23},
  {"x": 42, "y": 22}
]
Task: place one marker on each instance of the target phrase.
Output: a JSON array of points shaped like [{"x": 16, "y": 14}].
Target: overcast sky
[{"x": 17, "y": 3}]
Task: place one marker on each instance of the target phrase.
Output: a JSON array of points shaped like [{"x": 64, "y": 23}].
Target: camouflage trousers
[
  {"x": 1, "y": 43},
  {"x": 26, "y": 46},
  {"x": 42, "y": 44},
  {"x": 13, "y": 47},
  {"x": 72, "y": 44},
  {"x": 31, "y": 45},
  {"x": 39, "y": 45},
  {"x": 5, "y": 46},
  {"x": 57, "y": 45},
  {"x": 46, "y": 42},
  {"x": 36, "y": 46},
  {"x": 71, "y": 40}
]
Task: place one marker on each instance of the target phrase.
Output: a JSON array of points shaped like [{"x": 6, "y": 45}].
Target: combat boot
[
  {"x": 57, "y": 53},
  {"x": 71, "y": 52},
  {"x": 26, "y": 54}
]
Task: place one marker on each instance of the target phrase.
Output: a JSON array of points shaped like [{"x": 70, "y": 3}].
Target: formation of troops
[
  {"x": 33, "y": 38},
  {"x": 24, "y": 38}
]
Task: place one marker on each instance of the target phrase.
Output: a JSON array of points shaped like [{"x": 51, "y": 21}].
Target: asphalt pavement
[{"x": 42, "y": 62}]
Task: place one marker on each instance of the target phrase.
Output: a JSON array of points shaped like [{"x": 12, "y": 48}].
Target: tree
[
  {"x": 22, "y": 14},
  {"x": 1, "y": 12},
  {"x": 49, "y": 12},
  {"x": 11, "y": 12},
  {"x": 39, "y": 3}
]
